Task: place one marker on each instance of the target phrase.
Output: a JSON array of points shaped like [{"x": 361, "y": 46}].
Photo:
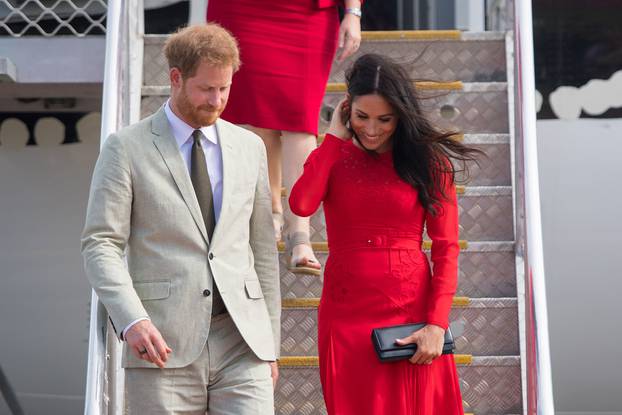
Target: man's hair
[{"x": 189, "y": 46}]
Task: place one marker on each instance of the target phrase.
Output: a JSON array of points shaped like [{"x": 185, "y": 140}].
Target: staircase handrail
[
  {"x": 95, "y": 400},
  {"x": 120, "y": 103},
  {"x": 529, "y": 233}
]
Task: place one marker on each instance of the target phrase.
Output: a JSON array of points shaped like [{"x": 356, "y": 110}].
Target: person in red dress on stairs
[
  {"x": 379, "y": 191},
  {"x": 287, "y": 48}
]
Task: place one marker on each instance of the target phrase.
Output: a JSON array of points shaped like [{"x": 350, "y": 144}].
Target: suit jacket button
[
  {"x": 206, "y": 293},
  {"x": 211, "y": 256}
]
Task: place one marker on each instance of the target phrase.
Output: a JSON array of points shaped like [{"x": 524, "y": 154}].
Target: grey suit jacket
[{"x": 142, "y": 207}]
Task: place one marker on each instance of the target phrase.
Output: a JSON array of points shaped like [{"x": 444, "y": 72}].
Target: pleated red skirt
[
  {"x": 287, "y": 48},
  {"x": 365, "y": 289}
]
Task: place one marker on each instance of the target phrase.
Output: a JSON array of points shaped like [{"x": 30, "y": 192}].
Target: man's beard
[{"x": 196, "y": 115}]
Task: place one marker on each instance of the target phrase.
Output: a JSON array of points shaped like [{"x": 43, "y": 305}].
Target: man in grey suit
[{"x": 184, "y": 197}]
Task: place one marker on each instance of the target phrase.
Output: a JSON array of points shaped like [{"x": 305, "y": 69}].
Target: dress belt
[{"x": 370, "y": 239}]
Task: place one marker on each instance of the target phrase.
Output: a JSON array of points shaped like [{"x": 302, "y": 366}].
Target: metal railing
[
  {"x": 120, "y": 107},
  {"x": 52, "y": 17},
  {"x": 499, "y": 15},
  {"x": 538, "y": 389},
  {"x": 6, "y": 391}
]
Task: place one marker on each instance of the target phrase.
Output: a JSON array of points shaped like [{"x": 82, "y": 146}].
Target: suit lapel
[
  {"x": 167, "y": 146},
  {"x": 228, "y": 174}
]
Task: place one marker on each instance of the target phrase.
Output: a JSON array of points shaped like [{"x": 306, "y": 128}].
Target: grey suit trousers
[{"x": 226, "y": 379}]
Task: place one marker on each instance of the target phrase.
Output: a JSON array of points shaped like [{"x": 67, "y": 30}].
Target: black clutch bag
[{"x": 387, "y": 350}]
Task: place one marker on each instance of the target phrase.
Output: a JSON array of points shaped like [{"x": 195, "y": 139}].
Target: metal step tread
[
  {"x": 333, "y": 87},
  {"x": 288, "y": 290},
  {"x": 458, "y": 301},
  {"x": 323, "y": 246},
  {"x": 465, "y": 191},
  {"x": 486, "y": 139},
  {"x": 470, "y": 246},
  {"x": 481, "y": 139},
  {"x": 388, "y": 35},
  {"x": 461, "y": 360},
  {"x": 338, "y": 87}
]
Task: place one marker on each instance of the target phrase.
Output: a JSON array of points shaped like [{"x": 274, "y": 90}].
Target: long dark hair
[{"x": 422, "y": 154}]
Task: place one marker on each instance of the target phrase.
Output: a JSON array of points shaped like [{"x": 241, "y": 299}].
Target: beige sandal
[{"x": 295, "y": 264}]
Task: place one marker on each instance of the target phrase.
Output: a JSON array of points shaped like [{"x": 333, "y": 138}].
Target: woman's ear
[{"x": 346, "y": 111}]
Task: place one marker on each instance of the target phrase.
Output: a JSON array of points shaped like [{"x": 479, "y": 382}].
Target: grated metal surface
[
  {"x": 298, "y": 392},
  {"x": 484, "y": 216},
  {"x": 488, "y": 274},
  {"x": 473, "y": 112},
  {"x": 493, "y": 169},
  {"x": 49, "y": 18},
  {"x": 486, "y": 327},
  {"x": 471, "y": 60},
  {"x": 480, "y": 109},
  {"x": 490, "y": 386}
]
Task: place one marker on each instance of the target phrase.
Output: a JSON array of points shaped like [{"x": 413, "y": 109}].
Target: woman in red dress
[
  {"x": 287, "y": 48},
  {"x": 379, "y": 191}
]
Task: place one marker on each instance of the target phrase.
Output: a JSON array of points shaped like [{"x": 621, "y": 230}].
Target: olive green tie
[
  {"x": 203, "y": 190},
  {"x": 201, "y": 183}
]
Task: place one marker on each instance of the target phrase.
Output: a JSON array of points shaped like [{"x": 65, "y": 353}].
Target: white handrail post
[
  {"x": 95, "y": 395},
  {"x": 110, "y": 98},
  {"x": 535, "y": 273}
]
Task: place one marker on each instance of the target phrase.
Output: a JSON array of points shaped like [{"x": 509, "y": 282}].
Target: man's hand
[
  {"x": 146, "y": 343},
  {"x": 429, "y": 341},
  {"x": 274, "y": 372}
]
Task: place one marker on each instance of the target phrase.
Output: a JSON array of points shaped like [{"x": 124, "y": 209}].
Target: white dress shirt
[{"x": 210, "y": 143}]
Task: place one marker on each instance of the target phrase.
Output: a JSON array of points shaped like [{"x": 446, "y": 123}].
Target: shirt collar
[{"x": 183, "y": 132}]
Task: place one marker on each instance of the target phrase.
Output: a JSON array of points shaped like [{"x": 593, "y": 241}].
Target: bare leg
[
  {"x": 296, "y": 149},
  {"x": 272, "y": 140}
]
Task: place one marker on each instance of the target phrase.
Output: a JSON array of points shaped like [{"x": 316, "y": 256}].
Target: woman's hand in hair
[{"x": 339, "y": 124}]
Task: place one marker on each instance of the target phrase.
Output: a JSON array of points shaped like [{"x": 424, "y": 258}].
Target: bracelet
[{"x": 355, "y": 11}]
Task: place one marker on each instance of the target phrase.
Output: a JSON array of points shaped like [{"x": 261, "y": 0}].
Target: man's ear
[{"x": 175, "y": 77}]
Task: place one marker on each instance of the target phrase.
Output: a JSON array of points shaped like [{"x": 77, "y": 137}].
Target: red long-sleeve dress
[{"x": 377, "y": 275}]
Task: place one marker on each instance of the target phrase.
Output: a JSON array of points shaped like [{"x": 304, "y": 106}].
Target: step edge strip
[
  {"x": 493, "y": 302},
  {"x": 484, "y": 87},
  {"x": 159, "y": 90},
  {"x": 486, "y": 36},
  {"x": 458, "y": 302},
  {"x": 323, "y": 246},
  {"x": 155, "y": 38},
  {"x": 486, "y": 138},
  {"x": 490, "y": 246},
  {"x": 313, "y": 361},
  {"x": 487, "y": 191},
  {"x": 467, "y": 138},
  {"x": 388, "y": 35},
  {"x": 463, "y": 191},
  {"x": 314, "y": 302},
  {"x": 496, "y": 361},
  {"x": 333, "y": 87}
]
